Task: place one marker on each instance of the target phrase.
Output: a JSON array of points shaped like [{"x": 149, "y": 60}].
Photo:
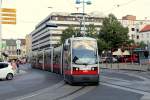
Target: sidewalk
[{"x": 125, "y": 66}]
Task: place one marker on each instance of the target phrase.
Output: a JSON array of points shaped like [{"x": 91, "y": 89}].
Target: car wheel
[{"x": 9, "y": 76}]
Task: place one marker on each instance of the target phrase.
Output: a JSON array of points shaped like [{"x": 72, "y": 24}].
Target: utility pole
[
  {"x": 83, "y": 15},
  {"x": 0, "y": 30}
]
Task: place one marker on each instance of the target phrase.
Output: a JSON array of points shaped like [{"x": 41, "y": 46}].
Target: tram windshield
[{"x": 84, "y": 52}]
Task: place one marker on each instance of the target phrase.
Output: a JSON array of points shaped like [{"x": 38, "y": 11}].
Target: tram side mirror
[
  {"x": 67, "y": 44},
  {"x": 65, "y": 47}
]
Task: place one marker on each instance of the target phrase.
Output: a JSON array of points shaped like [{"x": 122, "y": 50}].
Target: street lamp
[{"x": 88, "y": 2}]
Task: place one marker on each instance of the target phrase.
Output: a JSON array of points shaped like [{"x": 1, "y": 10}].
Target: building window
[
  {"x": 147, "y": 35},
  {"x": 137, "y": 37},
  {"x": 132, "y": 29},
  {"x": 137, "y": 30}
]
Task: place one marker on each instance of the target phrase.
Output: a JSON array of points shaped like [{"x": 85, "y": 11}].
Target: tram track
[
  {"x": 39, "y": 92},
  {"x": 65, "y": 91},
  {"x": 71, "y": 93}
]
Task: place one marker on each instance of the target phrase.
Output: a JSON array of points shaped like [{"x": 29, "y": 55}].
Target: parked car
[
  {"x": 108, "y": 59},
  {"x": 6, "y": 71},
  {"x": 102, "y": 59},
  {"x": 111, "y": 60}
]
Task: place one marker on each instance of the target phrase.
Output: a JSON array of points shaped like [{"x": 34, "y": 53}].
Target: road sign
[
  {"x": 18, "y": 43},
  {"x": 8, "y": 22},
  {"x": 8, "y": 10},
  {"x": 8, "y": 16}
]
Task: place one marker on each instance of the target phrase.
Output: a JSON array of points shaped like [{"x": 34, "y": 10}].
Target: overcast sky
[{"x": 31, "y": 12}]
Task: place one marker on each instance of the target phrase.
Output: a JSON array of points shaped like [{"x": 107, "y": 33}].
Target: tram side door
[{"x": 67, "y": 62}]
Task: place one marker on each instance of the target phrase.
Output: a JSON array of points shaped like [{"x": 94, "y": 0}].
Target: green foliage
[
  {"x": 91, "y": 31},
  {"x": 142, "y": 44},
  {"x": 111, "y": 35},
  {"x": 69, "y": 32},
  {"x": 113, "y": 32},
  {"x": 102, "y": 45}
]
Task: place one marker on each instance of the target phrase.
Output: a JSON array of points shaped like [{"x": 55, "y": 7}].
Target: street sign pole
[
  {"x": 18, "y": 44},
  {"x": 0, "y": 31}
]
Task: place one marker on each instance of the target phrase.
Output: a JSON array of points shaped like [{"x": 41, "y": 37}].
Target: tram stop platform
[{"x": 126, "y": 66}]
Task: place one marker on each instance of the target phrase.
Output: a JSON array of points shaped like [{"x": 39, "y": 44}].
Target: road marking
[
  {"x": 146, "y": 95},
  {"x": 134, "y": 75},
  {"x": 38, "y": 92},
  {"x": 116, "y": 79},
  {"x": 125, "y": 88}
]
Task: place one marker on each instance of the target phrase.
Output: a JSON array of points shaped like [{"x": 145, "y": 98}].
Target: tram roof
[{"x": 82, "y": 38}]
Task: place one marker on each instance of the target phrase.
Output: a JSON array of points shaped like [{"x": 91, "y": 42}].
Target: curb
[
  {"x": 124, "y": 67},
  {"x": 145, "y": 97}
]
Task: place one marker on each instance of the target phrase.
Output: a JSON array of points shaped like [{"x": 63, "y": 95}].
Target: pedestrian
[{"x": 13, "y": 63}]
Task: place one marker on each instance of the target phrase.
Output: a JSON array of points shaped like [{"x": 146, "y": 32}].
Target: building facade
[
  {"x": 48, "y": 32},
  {"x": 9, "y": 47},
  {"x": 134, "y": 26},
  {"x": 144, "y": 34},
  {"x": 28, "y": 45}
]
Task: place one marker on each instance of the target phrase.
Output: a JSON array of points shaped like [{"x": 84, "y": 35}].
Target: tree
[
  {"x": 112, "y": 32},
  {"x": 142, "y": 44},
  {"x": 102, "y": 45},
  {"x": 91, "y": 31},
  {"x": 69, "y": 32}
]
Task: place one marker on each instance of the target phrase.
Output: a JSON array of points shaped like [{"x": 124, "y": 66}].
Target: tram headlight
[
  {"x": 94, "y": 68},
  {"x": 76, "y": 69}
]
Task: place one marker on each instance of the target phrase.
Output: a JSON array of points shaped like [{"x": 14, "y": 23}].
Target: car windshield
[
  {"x": 3, "y": 65},
  {"x": 84, "y": 52}
]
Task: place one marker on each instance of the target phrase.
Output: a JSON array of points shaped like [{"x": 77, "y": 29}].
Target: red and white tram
[{"x": 77, "y": 60}]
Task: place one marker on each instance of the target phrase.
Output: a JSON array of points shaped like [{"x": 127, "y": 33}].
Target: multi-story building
[
  {"x": 144, "y": 34},
  {"x": 9, "y": 47},
  {"x": 46, "y": 34},
  {"x": 28, "y": 41},
  {"x": 134, "y": 26}
]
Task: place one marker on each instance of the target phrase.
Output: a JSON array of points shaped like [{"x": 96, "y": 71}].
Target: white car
[{"x": 6, "y": 71}]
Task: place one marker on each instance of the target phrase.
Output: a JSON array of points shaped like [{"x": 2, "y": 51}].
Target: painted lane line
[
  {"x": 126, "y": 88},
  {"x": 146, "y": 95},
  {"x": 61, "y": 83},
  {"x": 52, "y": 94}
]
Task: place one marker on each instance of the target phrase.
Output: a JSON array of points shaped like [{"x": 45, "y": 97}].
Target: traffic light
[{"x": 18, "y": 51}]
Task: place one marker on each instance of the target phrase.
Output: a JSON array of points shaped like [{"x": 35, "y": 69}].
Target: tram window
[
  {"x": 146, "y": 54},
  {"x": 66, "y": 47}
]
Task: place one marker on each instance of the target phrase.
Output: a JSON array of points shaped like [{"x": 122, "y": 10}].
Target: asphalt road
[
  {"x": 42, "y": 85},
  {"x": 26, "y": 83}
]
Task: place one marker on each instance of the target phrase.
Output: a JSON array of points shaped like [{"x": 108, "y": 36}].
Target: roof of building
[
  {"x": 12, "y": 42},
  {"x": 145, "y": 28}
]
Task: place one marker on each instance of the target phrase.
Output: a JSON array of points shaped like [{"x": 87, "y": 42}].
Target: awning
[
  {"x": 126, "y": 52},
  {"x": 119, "y": 52}
]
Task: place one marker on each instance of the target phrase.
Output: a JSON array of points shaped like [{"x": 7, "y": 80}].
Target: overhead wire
[{"x": 119, "y": 5}]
